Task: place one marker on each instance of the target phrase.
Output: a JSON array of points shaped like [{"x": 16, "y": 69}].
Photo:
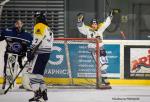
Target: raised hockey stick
[
  {"x": 2, "y": 4},
  {"x": 2, "y": 91}
]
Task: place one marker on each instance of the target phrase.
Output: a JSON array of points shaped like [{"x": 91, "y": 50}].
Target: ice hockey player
[
  {"x": 95, "y": 30},
  {"x": 18, "y": 40},
  {"x": 41, "y": 46}
]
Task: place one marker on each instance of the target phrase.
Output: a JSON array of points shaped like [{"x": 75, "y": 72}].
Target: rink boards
[
  {"x": 80, "y": 81},
  {"x": 123, "y": 55}
]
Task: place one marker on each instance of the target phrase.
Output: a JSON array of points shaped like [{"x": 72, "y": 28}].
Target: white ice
[{"x": 116, "y": 94}]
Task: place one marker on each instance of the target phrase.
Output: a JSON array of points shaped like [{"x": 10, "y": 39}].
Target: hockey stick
[
  {"x": 93, "y": 56},
  {"x": 1, "y": 6},
  {"x": 2, "y": 92}
]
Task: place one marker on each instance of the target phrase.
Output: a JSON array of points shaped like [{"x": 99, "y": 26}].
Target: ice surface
[{"x": 116, "y": 94}]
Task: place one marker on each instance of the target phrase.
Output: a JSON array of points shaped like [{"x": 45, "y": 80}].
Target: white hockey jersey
[
  {"x": 91, "y": 33},
  {"x": 43, "y": 32}
]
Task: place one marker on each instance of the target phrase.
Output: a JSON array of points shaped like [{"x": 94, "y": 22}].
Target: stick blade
[{"x": 2, "y": 91}]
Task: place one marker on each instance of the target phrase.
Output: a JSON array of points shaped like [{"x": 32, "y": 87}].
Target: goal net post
[{"x": 72, "y": 63}]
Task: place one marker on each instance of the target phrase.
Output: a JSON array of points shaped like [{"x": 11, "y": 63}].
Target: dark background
[{"x": 133, "y": 19}]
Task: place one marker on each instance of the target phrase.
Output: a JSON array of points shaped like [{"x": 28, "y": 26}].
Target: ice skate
[
  {"x": 44, "y": 93},
  {"x": 105, "y": 81},
  {"x": 21, "y": 87},
  {"x": 38, "y": 97},
  {"x": 105, "y": 84},
  {"x": 37, "y": 100}
]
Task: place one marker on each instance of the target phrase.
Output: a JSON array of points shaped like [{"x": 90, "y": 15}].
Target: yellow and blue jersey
[{"x": 43, "y": 32}]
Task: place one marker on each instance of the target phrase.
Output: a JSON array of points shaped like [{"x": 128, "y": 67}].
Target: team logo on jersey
[
  {"x": 16, "y": 47},
  {"x": 38, "y": 31}
]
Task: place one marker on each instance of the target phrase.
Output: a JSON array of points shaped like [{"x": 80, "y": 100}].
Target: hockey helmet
[
  {"x": 40, "y": 15},
  {"x": 94, "y": 24},
  {"x": 94, "y": 21}
]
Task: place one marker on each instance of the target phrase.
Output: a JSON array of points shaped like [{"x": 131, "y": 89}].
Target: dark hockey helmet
[
  {"x": 94, "y": 21},
  {"x": 40, "y": 17}
]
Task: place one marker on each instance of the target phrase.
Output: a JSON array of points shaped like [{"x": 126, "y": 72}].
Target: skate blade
[
  {"x": 41, "y": 100},
  {"x": 103, "y": 87}
]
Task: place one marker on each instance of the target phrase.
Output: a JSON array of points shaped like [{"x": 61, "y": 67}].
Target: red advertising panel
[{"x": 137, "y": 62}]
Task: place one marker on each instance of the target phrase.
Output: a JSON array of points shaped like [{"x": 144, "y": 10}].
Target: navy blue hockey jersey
[{"x": 17, "y": 42}]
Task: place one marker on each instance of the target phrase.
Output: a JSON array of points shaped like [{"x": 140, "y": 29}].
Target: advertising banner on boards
[
  {"x": 80, "y": 61},
  {"x": 137, "y": 62}
]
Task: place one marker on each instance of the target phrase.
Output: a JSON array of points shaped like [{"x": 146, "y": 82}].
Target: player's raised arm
[
  {"x": 107, "y": 22},
  {"x": 83, "y": 29}
]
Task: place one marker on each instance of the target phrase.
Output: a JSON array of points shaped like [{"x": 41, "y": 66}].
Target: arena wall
[{"x": 125, "y": 76}]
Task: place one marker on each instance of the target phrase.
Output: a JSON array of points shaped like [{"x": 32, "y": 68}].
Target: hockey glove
[
  {"x": 102, "y": 52},
  {"x": 80, "y": 17},
  {"x": 30, "y": 55},
  {"x": 111, "y": 13}
]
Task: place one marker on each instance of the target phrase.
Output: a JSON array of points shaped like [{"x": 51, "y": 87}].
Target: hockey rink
[{"x": 116, "y": 94}]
